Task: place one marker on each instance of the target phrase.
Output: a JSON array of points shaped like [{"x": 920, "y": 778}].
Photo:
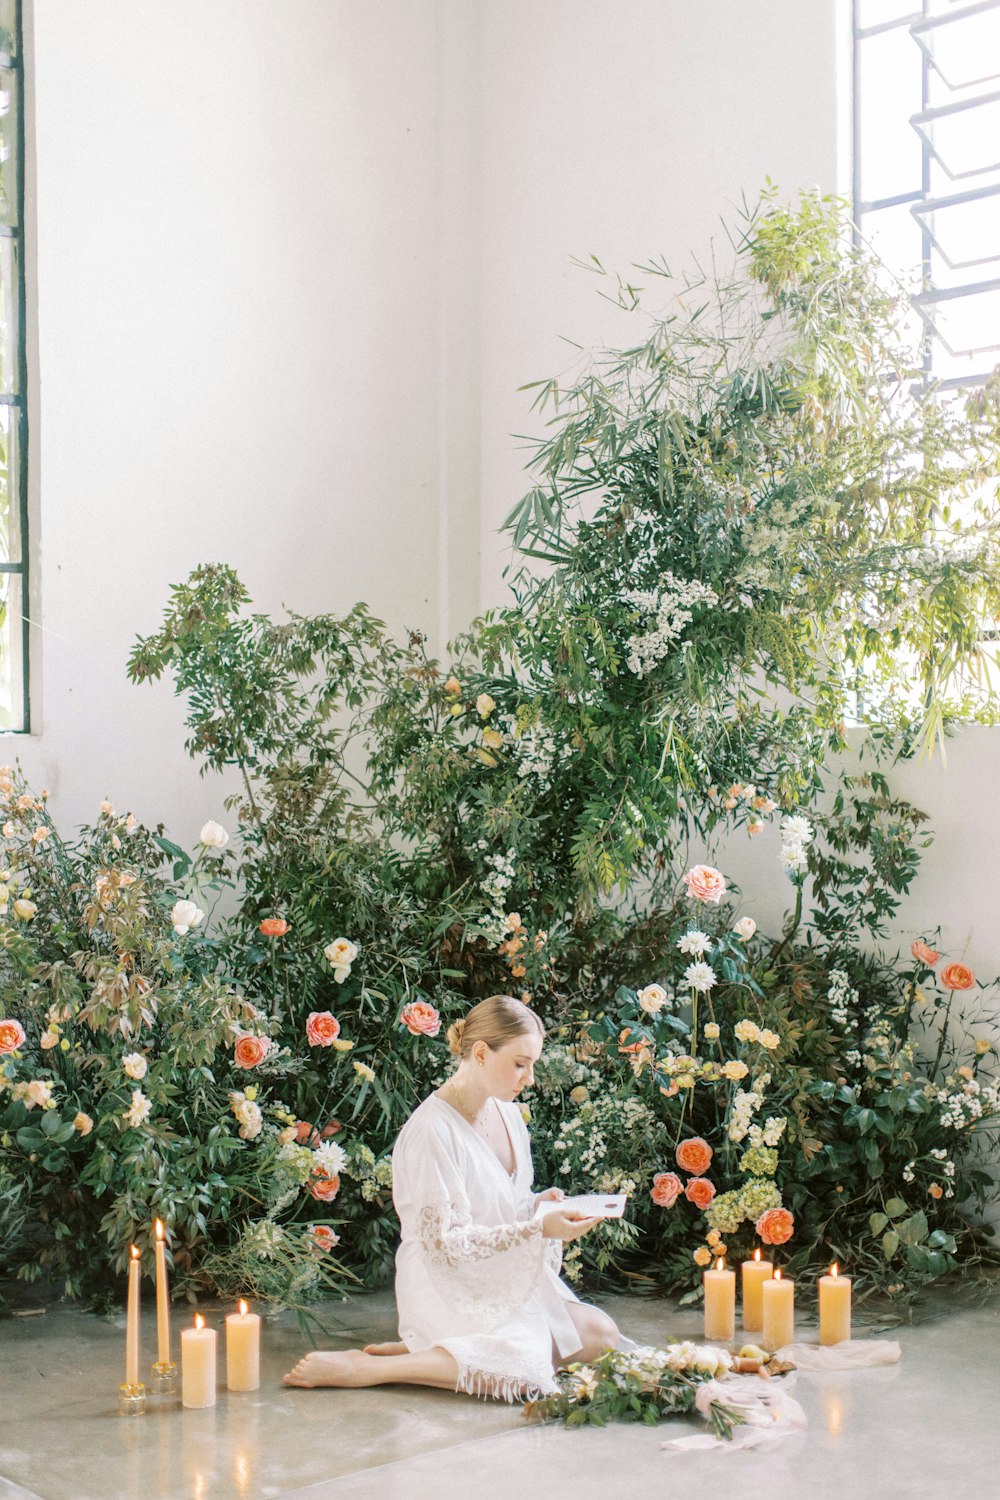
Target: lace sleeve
[{"x": 485, "y": 1271}]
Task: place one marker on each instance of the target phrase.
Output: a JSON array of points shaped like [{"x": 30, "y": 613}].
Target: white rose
[
  {"x": 342, "y": 972},
  {"x": 341, "y": 954},
  {"x": 108, "y": 808},
  {"x": 134, "y": 1065},
  {"x": 39, "y": 1093},
  {"x": 138, "y": 1112},
  {"x": 652, "y": 998},
  {"x": 485, "y": 705},
  {"x": 184, "y": 915},
  {"x": 745, "y": 928},
  {"x": 24, "y": 909},
  {"x": 48, "y": 1039},
  {"x": 213, "y": 836}
]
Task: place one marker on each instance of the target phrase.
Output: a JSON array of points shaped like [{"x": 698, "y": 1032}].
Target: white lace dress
[{"x": 473, "y": 1273}]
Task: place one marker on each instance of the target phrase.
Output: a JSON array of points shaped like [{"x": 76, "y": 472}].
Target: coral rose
[
  {"x": 666, "y": 1189},
  {"x": 421, "y": 1019},
  {"x": 957, "y": 977},
  {"x": 705, "y": 883},
  {"x": 694, "y": 1155},
  {"x": 11, "y": 1036},
  {"x": 274, "y": 926},
  {"x": 332, "y": 1127},
  {"x": 923, "y": 954},
  {"x": 324, "y": 1238},
  {"x": 306, "y": 1134},
  {"x": 324, "y": 1187},
  {"x": 699, "y": 1191},
  {"x": 250, "y": 1051},
  {"x": 322, "y": 1028},
  {"x": 775, "y": 1226}
]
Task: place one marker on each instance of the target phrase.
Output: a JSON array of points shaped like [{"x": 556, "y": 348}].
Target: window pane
[
  {"x": 875, "y": 12},
  {"x": 967, "y": 234},
  {"x": 11, "y": 686},
  {"x": 966, "y": 141},
  {"x": 8, "y": 147},
  {"x": 8, "y": 317},
  {"x": 10, "y": 506},
  {"x": 966, "y": 49},
  {"x": 889, "y": 83},
  {"x": 895, "y": 237},
  {"x": 968, "y": 325},
  {"x": 8, "y": 26}
]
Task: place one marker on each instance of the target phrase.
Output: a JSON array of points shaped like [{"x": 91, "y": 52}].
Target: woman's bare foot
[
  {"x": 386, "y": 1349},
  {"x": 350, "y": 1367}
]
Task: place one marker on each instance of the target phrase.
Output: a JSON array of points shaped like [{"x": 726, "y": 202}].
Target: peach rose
[
  {"x": 666, "y": 1189},
  {"x": 957, "y": 977},
  {"x": 324, "y": 1238},
  {"x": 322, "y": 1028},
  {"x": 324, "y": 1187},
  {"x": 274, "y": 926},
  {"x": 705, "y": 883},
  {"x": 699, "y": 1191},
  {"x": 936, "y": 1190},
  {"x": 250, "y": 1051},
  {"x": 694, "y": 1155},
  {"x": 923, "y": 954},
  {"x": 421, "y": 1019},
  {"x": 775, "y": 1226},
  {"x": 12, "y": 1036},
  {"x": 332, "y": 1127},
  {"x": 306, "y": 1134}
]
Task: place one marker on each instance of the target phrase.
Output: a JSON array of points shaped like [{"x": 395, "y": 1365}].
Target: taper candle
[
  {"x": 198, "y": 1364},
  {"x": 834, "y": 1307},
  {"x": 162, "y": 1298},
  {"x": 132, "y": 1319},
  {"x": 720, "y": 1302},
  {"x": 243, "y": 1350},
  {"x": 754, "y": 1273},
  {"x": 777, "y": 1312}
]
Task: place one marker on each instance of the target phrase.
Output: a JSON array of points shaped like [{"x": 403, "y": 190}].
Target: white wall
[{"x": 291, "y": 260}]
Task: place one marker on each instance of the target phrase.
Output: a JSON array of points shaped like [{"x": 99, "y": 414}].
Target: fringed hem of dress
[{"x": 490, "y": 1385}]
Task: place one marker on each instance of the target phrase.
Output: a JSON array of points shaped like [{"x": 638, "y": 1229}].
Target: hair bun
[{"x": 454, "y": 1035}]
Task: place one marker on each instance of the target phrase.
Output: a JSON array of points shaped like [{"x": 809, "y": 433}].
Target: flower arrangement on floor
[
  {"x": 733, "y": 535},
  {"x": 640, "y": 1385}
]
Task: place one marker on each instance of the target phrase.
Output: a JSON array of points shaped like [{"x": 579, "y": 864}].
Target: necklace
[{"x": 462, "y": 1104}]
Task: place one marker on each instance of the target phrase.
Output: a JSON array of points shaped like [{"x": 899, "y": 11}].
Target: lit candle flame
[
  {"x": 720, "y": 1264},
  {"x": 158, "y": 1226},
  {"x": 244, "y": 1308},
  {"x": 199, "y": 1321},
  {"x": 134, "y": 1252},
  {"x": 777, "y": 1273},
  {"x": 834, "y": 1269},
  {"x": 756, "y": 1254}
]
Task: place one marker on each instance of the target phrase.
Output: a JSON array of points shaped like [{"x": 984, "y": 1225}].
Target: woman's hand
[
  {"x": 551, "y": 1195},
  {"x": 564, "y": 1226}
]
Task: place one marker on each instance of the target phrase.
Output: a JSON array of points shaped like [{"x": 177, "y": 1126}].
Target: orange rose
[
  {"x": 705, "y": 883},
  {"x": 923, "y": 954},
  {"x": 250, "y": 1051},
  {"x": 11, "y": 1036},
  {"x": 775, "y": 1226},
  {"x": 421, "y": 1019},
  {"x": 699, "y": 1191},
  {"x": 306, "y": 1134},
  {"x": 274, "y": 926},
  {"x": 324, "y": 1238},
  {"x": 666, "y": 1189},
  {"x": 322, "y": 1028},
  {"x": 324, "y": 1187},
  {"x": 694, "y": 1155},
  {"x": 332, "y": 1127},
  {"x": 957, "y": 977},
  {"x": 936, "y": 1190}
]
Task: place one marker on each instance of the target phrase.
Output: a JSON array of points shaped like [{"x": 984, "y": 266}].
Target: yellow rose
[
  {"x": 493, "y": 738},
  {"x": 769, "y": 1039},
  {"x": 364, "y": 1071},
  {"x": 982, "y": 1046},
  {"x": 341, "y": 1046},
  {"x": 712, "y": 1031},
  {"x": 702, "y": 1257},
  {"x": 579, "y": 1095},
  {"x": 735, "y": 1070},
  {"x": 485, "y": 705},
  {"x": 83, "y": 1123}
]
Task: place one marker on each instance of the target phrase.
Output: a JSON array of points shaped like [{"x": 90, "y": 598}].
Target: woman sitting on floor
[{"x": 481, "y": 1305}]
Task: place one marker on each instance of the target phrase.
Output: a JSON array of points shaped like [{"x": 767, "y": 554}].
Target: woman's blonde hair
[{"x": 494, "y": 1021}]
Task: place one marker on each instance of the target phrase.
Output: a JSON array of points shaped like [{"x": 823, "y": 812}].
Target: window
[
  {"x": 927, "y": 169},
  {"x": 13, "y": 381}
]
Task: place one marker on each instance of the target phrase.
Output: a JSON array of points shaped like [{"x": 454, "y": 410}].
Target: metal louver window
[{"x": 927, "y": 168}]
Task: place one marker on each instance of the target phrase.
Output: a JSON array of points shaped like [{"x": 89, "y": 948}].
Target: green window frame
[{"x": 14, "y": 674}]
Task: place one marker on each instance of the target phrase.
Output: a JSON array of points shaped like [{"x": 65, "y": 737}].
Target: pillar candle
[
  {"x": 755, "y": 1273},
  {"x": 243, "y": 1350},
  {"x": 198, "y": 1364},
  {"x": 162, "y": 1299},
  {"x": 834, "y": 1307},
  {"x": 720, "y": 1302},
  {"x": 132, "y": 1320},
  {"x": 777, "y": 1312}
]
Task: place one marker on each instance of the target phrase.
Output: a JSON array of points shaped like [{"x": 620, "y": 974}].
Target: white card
[{"x": 588, "y": 1205}]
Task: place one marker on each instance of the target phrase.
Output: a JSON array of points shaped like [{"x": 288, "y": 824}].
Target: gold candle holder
[
  {"x": 131, "y": 1399},
  {"x": 163, "y": 1378}
]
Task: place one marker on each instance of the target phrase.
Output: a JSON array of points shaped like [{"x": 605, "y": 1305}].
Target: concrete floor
[{"x": 929, "y": 1426}]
